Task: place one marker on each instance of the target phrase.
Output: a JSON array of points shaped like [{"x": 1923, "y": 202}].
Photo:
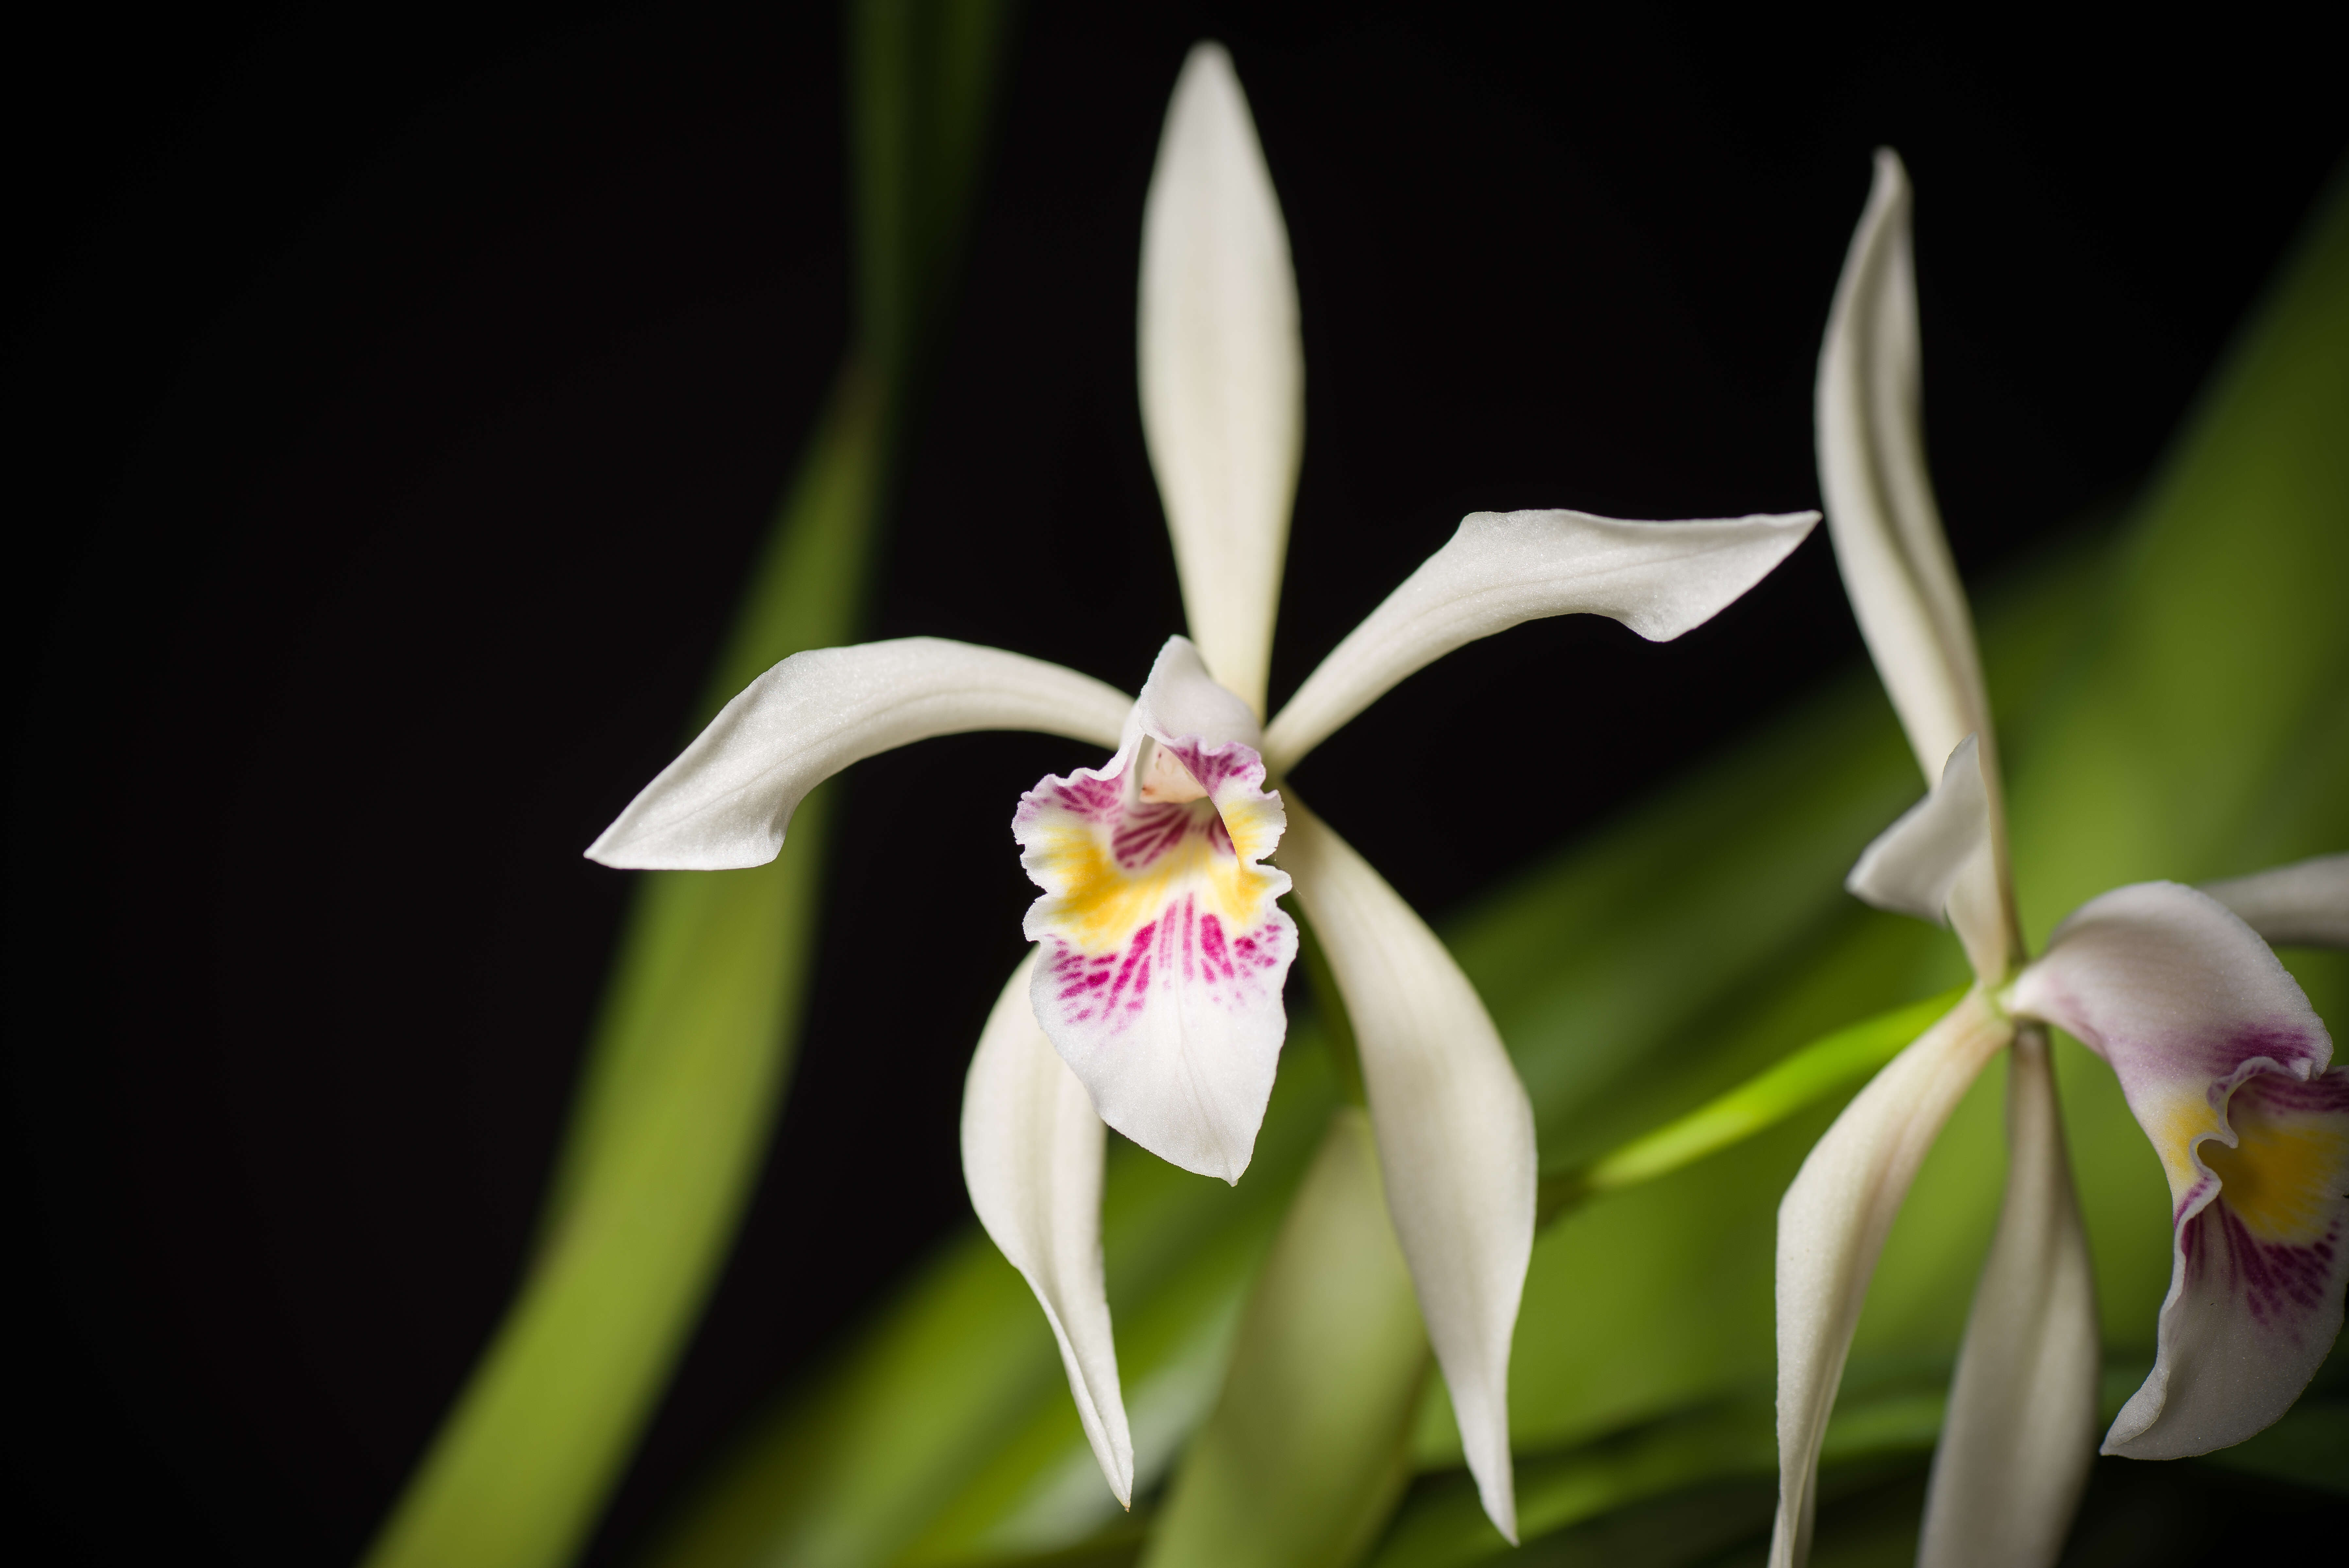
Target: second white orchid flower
[
  {"x": 2219, "y": 1053},
  {"x": 1152, "y": 1000}
]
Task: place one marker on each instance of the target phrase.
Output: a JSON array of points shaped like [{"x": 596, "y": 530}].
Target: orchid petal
[
  {"x": 1455, "y": 1133},
  {"x": 726, "y": 799},
  {"x": 2305, "y": 904},
  {"x": 2223, "y": 1063},
  {"x": 1831, "y": 1229},
  {"x": 1914, "y": 863},
  {"x": 1880, "y": 511},
  {"x": 1935, "y": 863},
  {"x": 2021, "y": 1427},
  {"x": 1503, "y": 568},
  {"x": 1223, "y": 368},
  {"x": 1031, "y": 1156},
  {"x": 1164, "y": 951}
]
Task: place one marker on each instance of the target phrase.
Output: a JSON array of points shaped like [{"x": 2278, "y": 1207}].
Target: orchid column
[
  {"x": 1153, "y": 1002},
  {"x": 2222, "y": 1059}
]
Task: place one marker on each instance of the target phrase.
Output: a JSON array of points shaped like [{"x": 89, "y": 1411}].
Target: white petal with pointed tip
[
  {"x": 1222, "y": 368},
  {"x": 2020, "y": 1432},
  {"x": 1455, "y": 1133},
  {"x": 2223, "y": 1063},
  {"x": 1031, "y": 1156},
  {"x": 2306, "y": 903},
  {"x": 1164, "y": 948},
  {"x": 727, "y": 800},
  {"x": 1503, "y": 568},
  {"x": 1831, "y": 1229},
  {"x": 1880, "y": 498}
]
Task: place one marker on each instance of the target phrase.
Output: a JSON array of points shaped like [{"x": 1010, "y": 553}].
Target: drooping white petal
[
  {"x": 1455, "y": 1132},
  {"x": 1831, "y": 1229},
  {"x": 1164, "y": 950},
  {"x": 2020, "y": 1432},
  {"x": 726, "y": 801},
  {"x": 1503, "y": 568},
  {"x": 1879, "y": 497},
  {"x": 1031, "y": 1156},
  {"x": 2223, "y": 1063},
  {"x": 1935, "y": 862},
  {"x": 1222, "y": 367},
  {"x": 2304, "y": 904}
]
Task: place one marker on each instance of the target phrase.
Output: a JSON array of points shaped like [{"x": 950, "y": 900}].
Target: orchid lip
[{"x": 1164, "y": 946}]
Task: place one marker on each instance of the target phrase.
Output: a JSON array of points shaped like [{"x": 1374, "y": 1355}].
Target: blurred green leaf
[
  {"x": 1840, "y": 1061},
  {"x": 1308, "y": 1447},
  {"x": 694, "y": 1045},
  {"x": 947, "y": 1434},
  {"x": 1734, "y": 1438}
]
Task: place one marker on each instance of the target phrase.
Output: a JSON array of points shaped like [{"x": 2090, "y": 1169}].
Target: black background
[{"x": 395, "y": 398}]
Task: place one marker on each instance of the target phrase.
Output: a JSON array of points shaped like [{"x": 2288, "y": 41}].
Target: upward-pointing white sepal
[
  {"x": 1880, "y": 498},
  {"x": 1223, "y": 369}
]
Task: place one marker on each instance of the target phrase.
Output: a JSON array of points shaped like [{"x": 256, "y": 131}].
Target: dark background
[{"x": 395, "y": 400}]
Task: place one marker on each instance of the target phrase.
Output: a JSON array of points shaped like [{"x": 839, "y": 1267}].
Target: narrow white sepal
[
  {"x": 727, "y": 800},
  {"x": 1503, "y": 568},
  {"x": 1936, "y": 864},
  {"x": 2304, "y": 904},
  {"x": 2020, "y": 1433},
  {"x": 1031, "y": 1156},
  {"x": 1222, "y": 368},
  {"x": 1880, "y": 510},
  {"x": 1455, "y": 1133},
  {"x": 1831, "y": 1229}
]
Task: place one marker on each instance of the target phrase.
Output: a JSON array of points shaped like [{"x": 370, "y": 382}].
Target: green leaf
[
  {"x": 1308, "y": 1447},
  {"x": 694, "y": 1046},
  {"x": 682, "y": 1080},
  {"x": 1734, "y": 1439},
  {"x": 948, "y": 1435},
  {"x": 1843, "y": 1060}
]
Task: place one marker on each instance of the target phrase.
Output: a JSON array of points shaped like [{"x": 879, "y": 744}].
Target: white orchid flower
[
  {"x": 1153, "y": 1000},
  {"x": 2219, "y": 1053}
]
